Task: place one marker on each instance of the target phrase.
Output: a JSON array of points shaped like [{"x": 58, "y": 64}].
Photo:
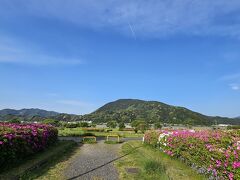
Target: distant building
[
  {"x": 128, "y": 125},
  {"x": 221, "y": 126},
  {"x": 101, "y": 125},
  {"x": 89, "y": 122}
]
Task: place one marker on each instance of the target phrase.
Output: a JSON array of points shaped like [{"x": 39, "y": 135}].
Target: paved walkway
[{"x": 91, "y": 156}]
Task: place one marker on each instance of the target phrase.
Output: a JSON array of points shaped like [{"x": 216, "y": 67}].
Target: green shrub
[
  {"x": 89, "y": 141},
  {"x": 109, "y": 130},
  {"x": 140, "y": 125},
  {"x": 88, "y": 134},
  {"x": 83, "y": 124},
  {"x": 53, "y": 122},
  {"x": 151, "y": 138},
  {"x": 71, "y": 125},
  {"x": 17, "y": 121},
  {"x": 121, "y": 125},
  {"x": 158, "y": 125},
  {"x": 93, "y": 129},
  {"x": 112, "y": 124},
  {"x": 234, "y": 127},
  {"x": 153, "y": 167}
]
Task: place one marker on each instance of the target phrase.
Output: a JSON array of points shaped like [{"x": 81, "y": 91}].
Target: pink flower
[
  {"x": 214, "y": 172},
  {"x": 169, "y": 153},
  {"x": 219, "y": 163},
  {"x": 227, "y": 155},
  {"x": 236, "y": 165},
  {"x": 230, "y": 176},
  {"x": 225, "y": 164},
  {"x": 210, "y": 168},
  {"x": 235, "y": 154},
  {"x": 238, "y": 145},
  {"x": 218, "y": 150}
]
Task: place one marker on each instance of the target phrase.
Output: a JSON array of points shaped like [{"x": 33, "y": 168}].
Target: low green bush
[
  {"x": 89, "y": 141},
  {"x": 127, "y": 129},
  {"x": 93, "y": 129},
  {"x": 153, "y": 167},
  {"x": 234, "y": 127},
  {"x": 88, "y": 134}
]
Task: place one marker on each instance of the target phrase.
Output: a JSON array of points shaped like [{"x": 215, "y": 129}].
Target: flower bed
[
  {"x": 216, "y": 153},
  {"x": 20, "y": 140}
]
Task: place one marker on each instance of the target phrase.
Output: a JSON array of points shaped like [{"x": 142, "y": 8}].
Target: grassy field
[
  {"x": 79, "y": 132},
  {"x": 148, "y": 163},
  {"x": 42, "y": 163}
]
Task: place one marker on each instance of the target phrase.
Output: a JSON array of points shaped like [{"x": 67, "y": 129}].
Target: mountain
[
  {"x": 124, "y": 110},
  {"x": 27, "y": 113},
  {"x": 36, "y": 115},
  {"x": 127, "y": 110}
]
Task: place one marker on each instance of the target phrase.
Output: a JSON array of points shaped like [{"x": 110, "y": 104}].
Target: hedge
[
  {"x": 214, "y": 153},
  {"x": 17, "y": 141}
]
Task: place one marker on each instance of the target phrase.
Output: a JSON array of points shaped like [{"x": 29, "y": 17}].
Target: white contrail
[{"x": 133, "y": 32}]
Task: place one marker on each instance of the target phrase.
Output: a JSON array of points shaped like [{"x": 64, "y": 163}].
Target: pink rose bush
[
  {"x": 20, "y": 140},
  {"x": 216, "y": 153}
]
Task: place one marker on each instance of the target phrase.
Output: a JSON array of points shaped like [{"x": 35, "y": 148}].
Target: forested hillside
[
  {"x": 127, "y": 110},
  {"x": 124, "y": 110}
]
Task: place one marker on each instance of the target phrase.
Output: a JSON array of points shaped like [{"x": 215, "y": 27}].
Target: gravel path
[{"x": 91, "y": 156}]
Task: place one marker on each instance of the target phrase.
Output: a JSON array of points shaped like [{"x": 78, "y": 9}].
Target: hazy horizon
[{"x": 75, "y": 56}]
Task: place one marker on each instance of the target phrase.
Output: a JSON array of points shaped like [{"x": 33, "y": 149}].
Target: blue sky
[{"x": 73, "y": 56}]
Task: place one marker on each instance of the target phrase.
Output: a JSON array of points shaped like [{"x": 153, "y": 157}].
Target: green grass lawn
[
  {"x": 70, "y": 131},
  {"x": 42, "y": 162},
  {"x": 152, "y": 164},
  {"x": 79, "y": 132}
]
